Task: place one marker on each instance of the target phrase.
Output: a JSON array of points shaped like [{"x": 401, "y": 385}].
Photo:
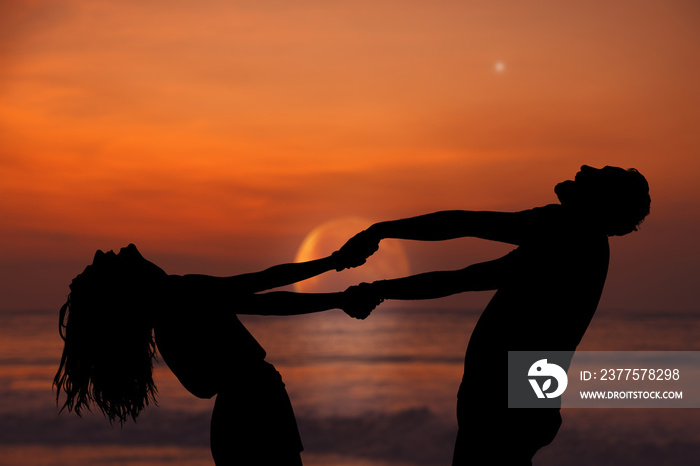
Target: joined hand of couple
[
  {"x": 356, "y": 251},
  {"x": 359, "y": 301}
]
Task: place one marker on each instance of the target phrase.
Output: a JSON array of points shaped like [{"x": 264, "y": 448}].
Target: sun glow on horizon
[
  {"x": 391, "y": 261},
  {"x": 229, "y": 131}
]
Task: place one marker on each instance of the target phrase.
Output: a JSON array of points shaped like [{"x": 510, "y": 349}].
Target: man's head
[{"x": 612, "y": 198}]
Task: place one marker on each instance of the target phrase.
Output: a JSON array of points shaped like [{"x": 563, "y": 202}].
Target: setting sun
[{"x": 389, "y": 262}]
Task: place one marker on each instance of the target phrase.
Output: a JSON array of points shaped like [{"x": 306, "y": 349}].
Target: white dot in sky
[{"x": 499, "y": 66}]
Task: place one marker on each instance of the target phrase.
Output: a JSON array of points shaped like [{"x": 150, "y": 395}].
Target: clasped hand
[
  {"x": 356, "y": 250},
  {"x": 359, "y": 301}
]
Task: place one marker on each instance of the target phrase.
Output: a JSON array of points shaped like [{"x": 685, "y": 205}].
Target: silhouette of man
[{"x": 547, "y": 291}]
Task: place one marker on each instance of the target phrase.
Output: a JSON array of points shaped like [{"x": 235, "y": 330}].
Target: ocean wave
[
  {"x": 412, "y": 436},
  {"x": 417, "y": 435}
]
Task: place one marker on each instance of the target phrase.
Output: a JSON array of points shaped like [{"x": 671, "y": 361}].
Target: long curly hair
[{"x": 107, "y": 329}]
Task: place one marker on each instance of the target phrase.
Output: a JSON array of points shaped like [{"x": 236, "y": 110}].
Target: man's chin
[{"x": 565, "y": 190}]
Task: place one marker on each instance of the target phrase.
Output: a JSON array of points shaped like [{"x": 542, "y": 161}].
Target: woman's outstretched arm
[
  {"x": 286, "y": 274},
  {"x": 284, "y": 303},
  {"x": 273, "y": 277},
  {"x": 218, "y": 292}
]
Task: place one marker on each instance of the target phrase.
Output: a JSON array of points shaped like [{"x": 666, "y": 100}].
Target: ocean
[{"x": 379, "y": 392}]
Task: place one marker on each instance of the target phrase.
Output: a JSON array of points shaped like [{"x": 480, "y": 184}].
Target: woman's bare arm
[
  {"x": 273, "y": 277},
  {"x": 286, "y": 303},
  {"x": 284, "y": 274},
  {"x": 217, "y": 293}
]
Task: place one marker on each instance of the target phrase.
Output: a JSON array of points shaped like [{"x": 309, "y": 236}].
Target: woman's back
[{"x": 202, "y": 341}]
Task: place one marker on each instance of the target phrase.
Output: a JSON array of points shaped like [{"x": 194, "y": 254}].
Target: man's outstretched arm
[
  {"x": 431, "y": 285},
  {"x": 450, "y": 224},
  {"x": 506, "y": 227}
]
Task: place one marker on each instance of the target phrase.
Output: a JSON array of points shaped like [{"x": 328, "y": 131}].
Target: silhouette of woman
[{"x": 122, "y": 306}]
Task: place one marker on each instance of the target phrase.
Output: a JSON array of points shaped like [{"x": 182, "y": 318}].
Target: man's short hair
[{"x": 624, "y": 201}]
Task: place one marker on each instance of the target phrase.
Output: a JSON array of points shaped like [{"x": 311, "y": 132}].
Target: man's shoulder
[
  {"x": 549, "y": 209},
  {"x": 544, "y": 216},
  {"x": 556, "y": 224}
]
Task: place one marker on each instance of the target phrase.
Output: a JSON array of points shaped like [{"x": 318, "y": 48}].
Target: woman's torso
[{"x": 204, "y": 344}]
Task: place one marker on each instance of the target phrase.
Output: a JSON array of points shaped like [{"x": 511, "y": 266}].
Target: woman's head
[{"x": 107, "y": 328}]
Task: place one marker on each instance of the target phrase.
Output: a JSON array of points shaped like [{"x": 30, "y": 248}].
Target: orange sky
[{"x": 216, "y": 135}]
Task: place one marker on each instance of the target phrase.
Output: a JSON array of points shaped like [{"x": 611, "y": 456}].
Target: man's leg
[{"x": 508, "y": 437}]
